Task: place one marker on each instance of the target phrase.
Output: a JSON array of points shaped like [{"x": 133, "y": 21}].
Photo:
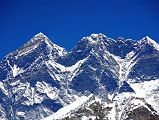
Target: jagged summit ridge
[
  {"x": 41, "y": 41},
  {"x": 40, "y": 34},
  {"x": 149, "y": 41},
  {"x": 38, "y": 38},
  {"x": 96, "y": 38},
  {"x": 92, "y": 40}
]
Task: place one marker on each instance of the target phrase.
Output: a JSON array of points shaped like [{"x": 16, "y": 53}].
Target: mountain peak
[
  {"x": 38, "y": 39},
  {"x": 97, "y": 38},
  {"x": 95, "y": 35},
  {"x": 149, "y": 41},
  {"x": 121, "y": 38},
  {"x": 40, "y": 34},
  {"x": 42, "y": 41}
]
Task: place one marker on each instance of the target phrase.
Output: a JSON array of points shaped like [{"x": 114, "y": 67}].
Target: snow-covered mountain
[{"x": 99, "y": 79}]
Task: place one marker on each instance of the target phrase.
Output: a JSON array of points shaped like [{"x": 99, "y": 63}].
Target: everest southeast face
[{"x": 99, "y": 79}]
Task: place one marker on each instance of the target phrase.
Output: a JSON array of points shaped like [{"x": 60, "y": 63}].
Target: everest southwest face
[{"x": 99, "y": 79}]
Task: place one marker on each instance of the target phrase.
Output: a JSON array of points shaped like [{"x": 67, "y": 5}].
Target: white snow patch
[
  {"x": 149, "y": 91},
  {"x": 152, "y": 42},
  {"x": 112, "y": 113},
  {"x": 72, "y": 70},
  {"x": 51, "y": 64},
  {"x": 75, "y": 68},
  {"x": 84, "y": 118},
  {"x": 43, "y": 87},
  {"x": 27, "y": 50},
  {"x": 91, "y": 40},
  {"x": 15, "y": 83},
  {"x": 29, "y": 94},
  {"x": 94, "y": 38},
  {"x": 125, "y": 65},
  {"x": 3, "y": 89},
  {"x": 65, "y": 111},
  {"x": 20, "y": 113},
  {"x": 15, "y": 70}
]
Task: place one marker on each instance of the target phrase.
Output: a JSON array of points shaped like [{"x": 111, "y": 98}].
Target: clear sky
[{"x": 65, "y": 22}]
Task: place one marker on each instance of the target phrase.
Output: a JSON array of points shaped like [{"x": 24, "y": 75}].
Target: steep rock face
[
  {"x": 146, "y": 67},
  {"x": 26, "y": 84},
  {"x": 40, "y": 78},
  {"x": 38, "y": 49},
  {"x": 121, "y": 47},
  {"x": 139, "y": 109},
  {"x": 142, "y": 114}
]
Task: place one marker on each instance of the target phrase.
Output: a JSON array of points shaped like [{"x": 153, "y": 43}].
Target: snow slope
[{"x": 65, "y": 111}]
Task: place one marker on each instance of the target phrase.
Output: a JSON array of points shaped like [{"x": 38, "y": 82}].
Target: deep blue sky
[{"x": 66, "y": 21}]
